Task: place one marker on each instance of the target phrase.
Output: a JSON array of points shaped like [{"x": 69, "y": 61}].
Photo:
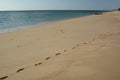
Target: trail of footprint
[
  {"x": 47, "y": 58},
  {"x": 37, "y": 64}
]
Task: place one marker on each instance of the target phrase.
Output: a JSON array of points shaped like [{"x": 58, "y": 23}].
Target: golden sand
[{"x": 85, "y": 48}]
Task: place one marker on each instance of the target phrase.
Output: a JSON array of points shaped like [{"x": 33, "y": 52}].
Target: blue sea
[{"x": 16, "y": 20}]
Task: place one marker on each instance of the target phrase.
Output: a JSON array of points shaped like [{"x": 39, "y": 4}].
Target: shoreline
[
  {"x": 39, "y": 24},
  {"x": 88, "y": 46}
]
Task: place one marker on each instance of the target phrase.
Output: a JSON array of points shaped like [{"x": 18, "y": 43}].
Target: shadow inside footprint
[
  {"x": 47, "y": 58},
  {"x": 18, "y": 46},
  {"x": 65, "y": 50},
  {"x": 85, "y": 43},
  {"x": 89, "y": 41},
  {"x": 19, "y": 70},
  {"x": 57, "y": 54},
  {"x": 77, "y": 45},
  {"x": 38, "y": 64},
  {"x": 73, "y": 47},
  {"x": 93, "y": 39},
  {"x": 62, "y": 31},
  {"x": 2, "y": 78}
]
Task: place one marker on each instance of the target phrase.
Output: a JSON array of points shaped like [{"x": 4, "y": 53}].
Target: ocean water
[{"x": 16, "y": 20}]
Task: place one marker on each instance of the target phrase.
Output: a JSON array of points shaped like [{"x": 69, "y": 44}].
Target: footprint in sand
[
  {"x": 18, "y": 45},
  {"x": 77, "y": 45},
  {"x": 47, "y": 58},
  {"x": 19, "y": 70},
  {"x": 11, "y": 39},
  {"x": 85, "y": 43},
  {"x": 2, "y": 78},
  {"x": 74, "y": 48},
  {"x": 65, "y": 50},
  {"x": 62, "y": 31},
  {"x": 93, "y": 39},
  {"x": 38, "y": 64},
  {"x": 57, "y": 54},
  {"x": 90, "y": 41}
]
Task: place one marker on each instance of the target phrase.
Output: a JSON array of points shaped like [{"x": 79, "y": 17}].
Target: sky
[{"x": 59, "y": 4}]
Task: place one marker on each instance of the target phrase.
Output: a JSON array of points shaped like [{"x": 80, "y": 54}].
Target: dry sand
[{"x": 85, "y": 48}]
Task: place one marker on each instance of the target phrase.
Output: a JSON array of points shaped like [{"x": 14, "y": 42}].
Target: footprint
[
  {"x": 93, "y": 39},
  {"x": 2, "y": 78},
  {"x": 19, "y": 70},
  {"x": 57, "y": 54},
  {"x": 74, "y": 48},
  {"x": 65, "y": 50},
  {"x": 89, "y": 41},
  {"x": 47, "y": 58},
  {"x": 18, "y": 46},
  {"x": 77, "y": 45},
  {"x": 85, "y": 43},
  {"x": 62, "y": 31},
  {"x": 11, "y": 39},
  {"x": 38, "y": 64}
]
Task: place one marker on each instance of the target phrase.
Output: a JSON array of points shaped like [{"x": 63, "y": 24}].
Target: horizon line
[{"x": 58, "y": 10}]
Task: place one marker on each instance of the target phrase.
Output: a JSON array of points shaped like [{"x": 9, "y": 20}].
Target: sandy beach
[{"x": 86, "y": 48}]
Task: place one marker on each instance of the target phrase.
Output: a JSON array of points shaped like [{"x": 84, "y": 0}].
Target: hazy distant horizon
[
  {"x": 10, "y": 5},
  {"x": 55, "y": 10}
]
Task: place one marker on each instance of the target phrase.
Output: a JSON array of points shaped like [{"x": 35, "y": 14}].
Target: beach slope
[{"x": 86, "y": 48}]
